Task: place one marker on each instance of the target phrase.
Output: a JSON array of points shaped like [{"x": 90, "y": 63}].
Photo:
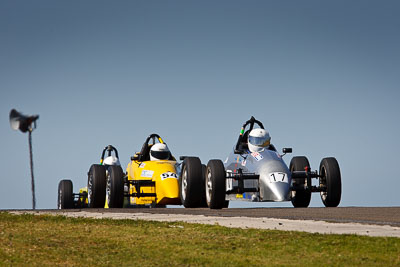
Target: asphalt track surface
[{"x": 363, "y": 215}]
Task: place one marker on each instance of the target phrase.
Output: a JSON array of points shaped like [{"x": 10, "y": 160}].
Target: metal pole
[{"x": 32, "y": 177}]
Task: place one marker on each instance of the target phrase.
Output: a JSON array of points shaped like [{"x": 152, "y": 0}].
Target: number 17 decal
[{"x": 278, "y": 177}]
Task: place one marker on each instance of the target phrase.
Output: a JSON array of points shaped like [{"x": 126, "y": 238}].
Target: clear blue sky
[{"x": 323, "y": 77}]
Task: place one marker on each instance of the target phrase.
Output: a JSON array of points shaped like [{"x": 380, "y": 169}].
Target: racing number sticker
[
  {"x": 278, "y": 177},
  {"x": 166, "y": 175},
  {"x": 147, "y": 173}
]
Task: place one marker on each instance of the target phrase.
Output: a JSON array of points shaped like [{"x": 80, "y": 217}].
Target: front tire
[
  {"x": 331, "y": 179},
  {"x": 115, "y": 187},
  {"x": 215, "y": 184},
  {"x": 190, "y": 182},
  {"x": 65, "y": 196},
  {"x": 300, "y": 198},
  {"x": 96, "y": 186},
  {"x": 203, "y": 202}
]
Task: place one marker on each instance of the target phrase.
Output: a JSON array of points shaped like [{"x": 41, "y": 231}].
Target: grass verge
[{"x": 50, "y": 240}]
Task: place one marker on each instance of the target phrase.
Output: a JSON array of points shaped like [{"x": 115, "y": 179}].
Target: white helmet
[
  {"x": 111, "y": 160},
  {"x": 159, "y": 152},
  {"x": 258, "y": 139}
]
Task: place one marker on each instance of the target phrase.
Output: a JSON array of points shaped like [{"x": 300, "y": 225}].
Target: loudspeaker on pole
[{"x": 19, "y": 121}]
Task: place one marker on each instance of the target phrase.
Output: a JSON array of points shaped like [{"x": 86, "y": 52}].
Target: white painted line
[{"x": 244, "y": 222}]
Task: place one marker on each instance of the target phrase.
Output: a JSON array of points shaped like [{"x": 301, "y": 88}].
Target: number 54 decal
[{"x": 278, "y": 177}]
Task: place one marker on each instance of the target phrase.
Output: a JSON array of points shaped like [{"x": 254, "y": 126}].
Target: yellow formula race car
[
  {"x": 151, "y": 178},
  {"x": 94, "y": 194}
]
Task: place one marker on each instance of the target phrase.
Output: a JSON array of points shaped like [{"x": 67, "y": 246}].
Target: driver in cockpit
[
  {"x": 258, "y": 140},
  {"x": 159, "y": 151}
]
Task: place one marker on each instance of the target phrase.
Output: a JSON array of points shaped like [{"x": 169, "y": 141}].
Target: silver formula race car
[{"x": 258, "y": 176}]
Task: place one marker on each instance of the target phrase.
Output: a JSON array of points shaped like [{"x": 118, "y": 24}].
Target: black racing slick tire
[
  {"x": 300, "y": 198},
  {"x": 203, "y": 202},
  {"x": 330, "y": 180},
  {"x": 65, "y": 195},
  {"x": 215, "y": 184},
  {"x": 190, "y": 182},
  {"x": 115, "y": 187},
  {"x": 226, "y": 204},
  {"x": 96, "y": 186}
]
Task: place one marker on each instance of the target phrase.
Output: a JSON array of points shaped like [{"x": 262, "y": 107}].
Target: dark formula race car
[
  {"x": 257, "y": 176},
  {"x": 94, "y": 194}
]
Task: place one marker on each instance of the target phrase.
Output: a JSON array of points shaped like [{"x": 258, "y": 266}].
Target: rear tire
[
  {"x": 65, "y": 195},
  {"x": 115, "y": 187},
  {"x": 190, "y": 182},
  {"x": 96, "y": 186},
  {"x": 331, "y": 179},
  {"x": 301, "y": 198},
  {"x": 226, "y": 204},
  {"x": 215, "y": 184}
]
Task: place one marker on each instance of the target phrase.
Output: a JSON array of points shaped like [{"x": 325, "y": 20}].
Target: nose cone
[
  {"x": 168, "y": 191},
  {"x": 279, "y": 191},
  {"x": 274, "y": 190}
]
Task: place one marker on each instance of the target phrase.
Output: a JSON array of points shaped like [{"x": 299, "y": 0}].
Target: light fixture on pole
[{"x": 24, "y": 123}]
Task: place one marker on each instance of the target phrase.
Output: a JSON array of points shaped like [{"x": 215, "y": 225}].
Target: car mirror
[
  {"x": 287, "y": 150},
  {"x": 135, "y": 157},
  {"x": 238, "y": 151}
]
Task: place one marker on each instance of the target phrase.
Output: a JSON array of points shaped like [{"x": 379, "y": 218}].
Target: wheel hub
[
  {"x": 90, "y": 184},
  {"x": 208, "y": 186},
  {"x": 59, "y": 199},
  {"x": 108, "y": 189},
  {"x": 184, "y": 184},
  {"x": 322, "y": 184}
]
